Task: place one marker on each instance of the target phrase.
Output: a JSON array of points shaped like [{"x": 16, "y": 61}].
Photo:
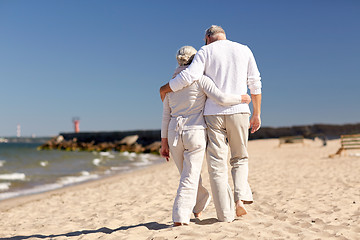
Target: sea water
[{"x": 25, "y": 170}]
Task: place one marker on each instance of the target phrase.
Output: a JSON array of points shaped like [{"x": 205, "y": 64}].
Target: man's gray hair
[
  {"x": 185, "y": 55},
  {"x": 213, "y": 30}
]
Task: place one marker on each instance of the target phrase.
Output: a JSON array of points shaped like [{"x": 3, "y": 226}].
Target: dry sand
[{"x": 299, "y": 193}]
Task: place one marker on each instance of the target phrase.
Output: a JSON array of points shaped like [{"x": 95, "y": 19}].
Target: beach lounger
[{"x": 351, "y": 141}]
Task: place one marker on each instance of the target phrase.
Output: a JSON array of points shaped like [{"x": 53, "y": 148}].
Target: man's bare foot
[
  {"x": 197, "y": 215},
  {"x": 240, "y": 208}
]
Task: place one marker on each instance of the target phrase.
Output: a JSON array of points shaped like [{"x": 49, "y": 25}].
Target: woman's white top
[{"x": 183, "y": 110}]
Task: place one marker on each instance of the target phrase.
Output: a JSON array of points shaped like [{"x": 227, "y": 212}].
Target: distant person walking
[{"x": 233, "y": 69}]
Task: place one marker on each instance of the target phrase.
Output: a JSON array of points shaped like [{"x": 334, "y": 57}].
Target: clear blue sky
[{"x": 104, "y": 61}]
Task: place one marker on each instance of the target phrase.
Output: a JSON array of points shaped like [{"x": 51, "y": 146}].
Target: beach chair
[
  {"x": 351, "y": 141},
  {"x": 291, "y": 139}
]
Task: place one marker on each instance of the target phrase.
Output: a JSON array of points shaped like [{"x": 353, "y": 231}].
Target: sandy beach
[{"x": 299, "y": 193}]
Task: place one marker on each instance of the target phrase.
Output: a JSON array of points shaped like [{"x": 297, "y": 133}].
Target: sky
[{"x": 104, "y": 61}]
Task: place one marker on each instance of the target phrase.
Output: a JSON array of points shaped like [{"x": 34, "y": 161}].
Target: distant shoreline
[
  {"x": 146, "y": 137},
  {"x": 331, "y": 131},
  {"x": 38, "y": 140}
]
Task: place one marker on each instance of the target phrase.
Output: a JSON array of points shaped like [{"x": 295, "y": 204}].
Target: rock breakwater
[
  {"x": 148, "y": 141},
  {"x": 143, "y": 141}
]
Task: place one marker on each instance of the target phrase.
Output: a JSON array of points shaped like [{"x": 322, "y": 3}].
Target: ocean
[{"x": 24, "y": 170}]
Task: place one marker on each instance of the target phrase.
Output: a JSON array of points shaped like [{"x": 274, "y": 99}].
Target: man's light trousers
[{"x": 223, "y": 130}]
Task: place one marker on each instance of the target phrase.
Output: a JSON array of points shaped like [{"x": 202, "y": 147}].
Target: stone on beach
[{"x": 129, "y": 140}]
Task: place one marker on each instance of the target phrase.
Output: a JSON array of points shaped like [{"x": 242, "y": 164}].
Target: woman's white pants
[{"x": 188, "y": 155}]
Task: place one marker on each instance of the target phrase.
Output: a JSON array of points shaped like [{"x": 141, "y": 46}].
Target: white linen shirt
[{"x": 231, "y": 66}]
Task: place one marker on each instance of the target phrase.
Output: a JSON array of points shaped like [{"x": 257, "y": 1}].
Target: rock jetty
[{"x": 148, "y": 141}]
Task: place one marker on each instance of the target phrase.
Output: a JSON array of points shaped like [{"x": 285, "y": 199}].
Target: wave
[
  {"x": 96, "y": 161},
  {"x": 144, "y": 160},
  {"x": 128, "y": 154},
  {"x": 107, "y": 154},
  {"x": 141, "y": 160},
  {"x": 125, "y": 153},
  {"x": 121, "y": 168},
  {"x": 4, "y": 186},
  {"x": 141, "y": 164},
  {"x": 37, "y": 189},
  {"x": 85, "y": 173},
  {"x": 77, "y": 179},
  {"x": 2, "y": 162},
  {"x": 13, "y": 176},
  {"x": 44, "y": 163},
  {"x": 152, "y": 157},
  {"x": 104, "y": 153},
  {"x": 62, "y": 182},
  {"x": 35, "y": 182}
]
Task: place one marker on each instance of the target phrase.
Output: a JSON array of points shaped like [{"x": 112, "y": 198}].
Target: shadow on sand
[
  {"x": 208, "y": 221},
  {"x": 150, "y": 226}
]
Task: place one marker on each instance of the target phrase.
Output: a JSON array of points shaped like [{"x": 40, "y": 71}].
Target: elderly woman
[{"x": 183, "y": 137}]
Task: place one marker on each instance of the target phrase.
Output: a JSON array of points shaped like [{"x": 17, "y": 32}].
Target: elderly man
[{"x": 233, "y": 69}]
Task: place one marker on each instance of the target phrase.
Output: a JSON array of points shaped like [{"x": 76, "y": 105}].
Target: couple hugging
[{"x": 205, "y": 109}]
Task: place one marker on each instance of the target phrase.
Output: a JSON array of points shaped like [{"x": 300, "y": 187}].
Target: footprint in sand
[
  {"x": 315, "y": 229},
  {"x": 267, "y": 224},
  {"x": 333, "y": 228},
  {"x": 301, "y": 215},
  {"x": 318, "y": 221},
  {"x": 292, "y": 230},
  {"x": 280, "y": 217},
  {"x": 277, "y": 233},
  {"x": 305, "y": 225}
]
